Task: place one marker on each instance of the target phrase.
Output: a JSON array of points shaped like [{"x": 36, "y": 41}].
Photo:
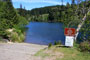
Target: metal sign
[
  {"x": 69, "y": 32},
  {"x": 69, "y": 41}
]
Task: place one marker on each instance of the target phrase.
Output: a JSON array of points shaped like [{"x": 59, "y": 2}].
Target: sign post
[{"x": 69, "y": 39}]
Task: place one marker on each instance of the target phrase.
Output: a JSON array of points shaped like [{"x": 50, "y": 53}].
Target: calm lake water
[{"x": 44, "y": 33}]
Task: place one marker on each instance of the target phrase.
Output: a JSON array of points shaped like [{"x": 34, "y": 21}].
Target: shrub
[
  {"x": 21, "y": 37},
  {"x": 0, "y": 38},
  {"x": 57, "y": 43},
  {"x": 85, "y": 46},
  {"x": 15, "y": 35},
  {"x": 50, "y": 44}
]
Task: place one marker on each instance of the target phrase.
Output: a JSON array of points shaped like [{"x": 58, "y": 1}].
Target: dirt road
[{"x": 19, "y": 51}]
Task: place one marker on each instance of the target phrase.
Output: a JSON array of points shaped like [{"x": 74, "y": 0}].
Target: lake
[{"x": 44, "y": 33}]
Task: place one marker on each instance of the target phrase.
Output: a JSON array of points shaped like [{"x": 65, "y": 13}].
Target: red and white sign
[{"x": 70, "y": 31}]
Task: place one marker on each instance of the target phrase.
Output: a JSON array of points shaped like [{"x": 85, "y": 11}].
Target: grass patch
[
  {"x": 73, "y": 54},
  {"x": 66, "y": 53},
  {"x": 42, "y": 54}
]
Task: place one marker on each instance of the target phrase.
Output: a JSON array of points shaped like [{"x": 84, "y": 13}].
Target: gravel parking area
[{"x": 19, "y": 51}]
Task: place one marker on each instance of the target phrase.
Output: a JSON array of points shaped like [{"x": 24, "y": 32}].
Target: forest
[
  {"x": 11, "y": 23},
  {"x": 69, "y": 13}
]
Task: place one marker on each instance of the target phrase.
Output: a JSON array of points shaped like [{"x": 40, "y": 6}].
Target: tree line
[{"x": 69, "y": 13}]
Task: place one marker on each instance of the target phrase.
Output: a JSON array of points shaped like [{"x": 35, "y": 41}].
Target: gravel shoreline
[{"x": 19, "y": 51}]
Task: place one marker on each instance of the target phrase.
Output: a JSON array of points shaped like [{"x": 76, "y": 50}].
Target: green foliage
[
  {"x": 84, "y": 35},
  {"x": 70, "y": 14},
  {"x": 22, "y": 21},
  {"x": 0, "y": 38},
  {"x": 20, "y": 27},
  {"x": 50, "y": 44},
  {"x": 44, "y": 18},
  {"x": 85, "y": 46},
  {"x": 10, "y": 19},
  {"x": 51, "y": 16},
  {"x": 17, "y": 38},
  {"x": 57, "y": 43},
  {"x": 15, "y": 35},
  {"x": 85, "y": 30},
  {"x": 8, "y": 16}
]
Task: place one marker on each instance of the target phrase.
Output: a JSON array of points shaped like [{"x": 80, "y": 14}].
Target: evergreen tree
[
  {"x": 8, "y": 16},
  {"x": 11, "y": 16},
  {"x": 51, "y": 16},
  {"x": 73, "y": 2},
  {"x": 20, "y": 11},
  {"x": 68, "y": 5}
]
